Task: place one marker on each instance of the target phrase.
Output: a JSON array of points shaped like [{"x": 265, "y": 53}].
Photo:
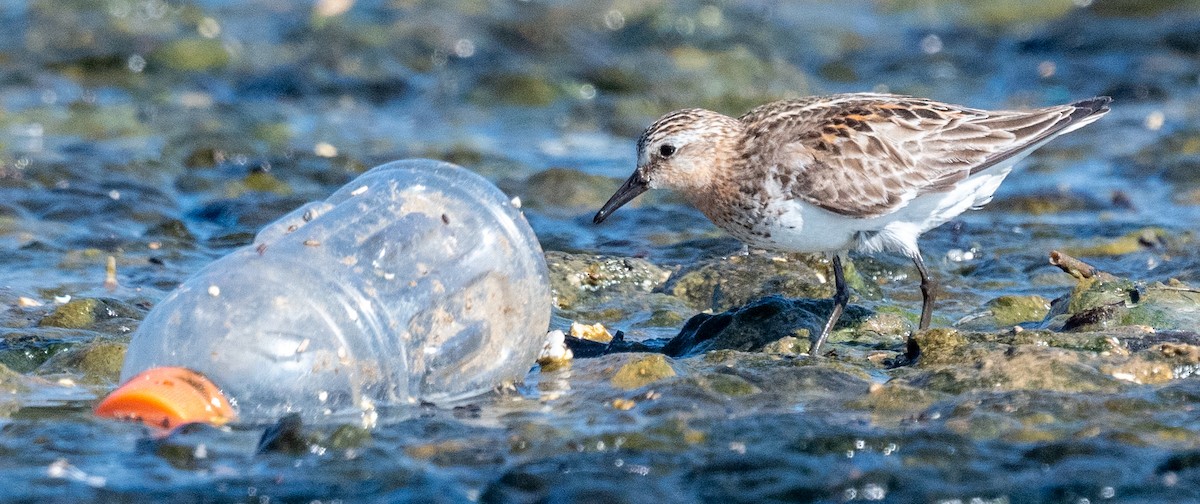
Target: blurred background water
[{"x": 164, "y": 134}]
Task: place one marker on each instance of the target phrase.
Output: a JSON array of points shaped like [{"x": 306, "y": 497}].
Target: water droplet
[
  {"x": 464, "y": 48},
  {"x": 614, "y": 20},
  {"x": 931, "y": 44},
  {"x": 136, "y": 63}
]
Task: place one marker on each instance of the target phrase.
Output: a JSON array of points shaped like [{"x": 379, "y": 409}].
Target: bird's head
[{"x": 681, "y": 151}]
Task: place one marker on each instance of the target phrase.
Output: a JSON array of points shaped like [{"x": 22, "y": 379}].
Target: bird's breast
[{"x": 787, "y": 225}]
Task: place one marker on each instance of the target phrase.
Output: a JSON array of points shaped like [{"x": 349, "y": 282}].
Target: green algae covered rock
[
  {"x": 725, "y": 283},
  {"x": 96, "y": 362},
  {"x": 641, "y": 371},
  {"x": 74, "y": 314}
]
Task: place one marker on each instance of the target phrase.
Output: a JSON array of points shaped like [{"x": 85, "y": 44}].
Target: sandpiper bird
[{"x": 862, "y": 171}]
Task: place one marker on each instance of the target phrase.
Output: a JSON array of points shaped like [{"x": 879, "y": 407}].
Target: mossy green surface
[
  {"x": 74, "y": 314},
  {"x": 642, "y": 371}
]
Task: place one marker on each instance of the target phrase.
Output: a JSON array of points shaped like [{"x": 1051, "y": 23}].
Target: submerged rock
[
  {"x": 566, "y": 188},
  {"x": 96, "y": 362},
  {"x": 1143, "y": 239},
  {"x": 12, "y": 386},
  {"x": 642, "y": 370},
  {"x": 191, "y": 55},
  {"x": 75, "y": 314},
  {"x": 189, "y": 447},
  {"x": 1007, "y": 311},
  {"x": 90, "y": 313},
  {"x": 1047, "y": 202}
]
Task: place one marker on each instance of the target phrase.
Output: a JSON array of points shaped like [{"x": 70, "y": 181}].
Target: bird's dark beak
[{"x": 637, "y": 184}]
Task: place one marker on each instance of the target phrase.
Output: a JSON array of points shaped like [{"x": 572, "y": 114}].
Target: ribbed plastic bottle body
[{"x": 417, "y": 281}]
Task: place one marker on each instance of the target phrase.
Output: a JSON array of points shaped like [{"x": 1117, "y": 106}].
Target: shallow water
[{"x": 163, "y": 135}]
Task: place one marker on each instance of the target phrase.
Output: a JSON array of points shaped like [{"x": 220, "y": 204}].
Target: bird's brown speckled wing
[{"x": 866, "y": 155}]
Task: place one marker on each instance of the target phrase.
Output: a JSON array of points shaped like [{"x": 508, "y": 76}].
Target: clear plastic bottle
[{"x": 417, "y": 281}]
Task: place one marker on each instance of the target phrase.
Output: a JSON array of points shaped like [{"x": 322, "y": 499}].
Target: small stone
[
  {"x": 623, "y": 404},
  {"x": 554, "y": 352},
  {"x": 789, "y": 345},
  {"x": 595, "y": 332},
  {"x": 642, "y": 371}
]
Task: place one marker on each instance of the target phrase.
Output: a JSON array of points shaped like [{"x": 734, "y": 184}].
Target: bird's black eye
[{"x": 666, "y": 150}]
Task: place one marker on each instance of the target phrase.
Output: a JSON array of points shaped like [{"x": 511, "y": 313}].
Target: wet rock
[
  {"x": 984, "y": 425},
  {"x": 729, "y": 385},
  {"x": 96, "y": 362},
  {"x": 191, "y": 55},
  {"x": 640, "y": 370},
  {"x": 884, "y": 328},
  {"x": 174, "y": 229},
  {"x": 595, "y": 332},
  {"x": 885, "y": 323},
  {"x": 1000, "y": 14},
  {"x": 75, "y": 314},
  {"x": 752, "y": 327},
  {"x": 519, "y": 88},
  {"x": 580, "y": 278},
  {"x": 894, "y": 400},
  {"x": 959, "y": 368},
  {"x": 259, "y": 181},
  {"x": 724, "y": 283},
  {"x": 790, "y": 345},
  {"x": 1007, "y": 311},
  {"x": 455, "y": 452},
  {"x": 585, "y": 349},
  {"x": 12, "y": 387},
  {"x": 1096, "y": 342},
  {"x": 346, "y": 437},
  {"x": 785, "y": 381},
  {"x": 1140, "y": 370},
  {"x": 1145, "y": 239},
  {"x": 24, "y": 350},
  {"x": 1096, "y": 318},
  {"x": 663, "y": 318},
  {"x": 565, "y": 188},
  {"x": 187, "y": 447},
  {"x": 940, "y": 345},
  {"x": 1104, "y": 302},
  {"x": 555, "y": 353},
  {"x": 92, "y": 313},
  {"x": 728, "y": 80},
  {"x": 1050, "y": 203},
  {"x": 617, "y": 80},
  {"x": 1012, "y": 310},
  {"x": 287, "y": 436}
]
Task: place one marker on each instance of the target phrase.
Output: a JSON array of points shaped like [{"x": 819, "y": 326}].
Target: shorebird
[{"x": 861, "y": 171}]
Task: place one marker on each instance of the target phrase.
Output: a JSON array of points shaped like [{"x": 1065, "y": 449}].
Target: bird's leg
[
  {"x": 929, "y": 289},
  {"x": 841, "y": 295}
]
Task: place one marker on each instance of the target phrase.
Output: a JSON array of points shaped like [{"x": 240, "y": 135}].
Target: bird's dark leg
[
  {"x": 841, "y": 295},
  {"x": 929, "y": 289}
]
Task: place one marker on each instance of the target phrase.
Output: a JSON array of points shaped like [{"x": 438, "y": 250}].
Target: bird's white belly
[{"x": 801, "y": 227}]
